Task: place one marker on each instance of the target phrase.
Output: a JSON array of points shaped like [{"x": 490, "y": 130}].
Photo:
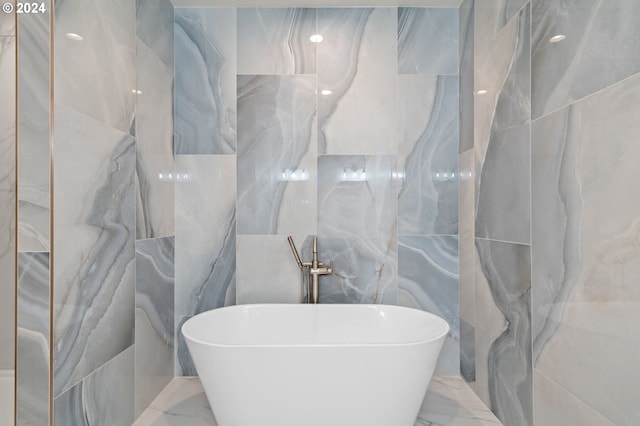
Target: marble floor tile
[{"x": 449, "y": 402}]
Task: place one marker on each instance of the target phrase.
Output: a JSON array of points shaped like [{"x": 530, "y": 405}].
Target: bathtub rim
[{"x": 444, "y": 329}]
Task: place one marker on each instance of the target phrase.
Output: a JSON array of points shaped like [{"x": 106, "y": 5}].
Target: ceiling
[{"x": 315, "y": 3}]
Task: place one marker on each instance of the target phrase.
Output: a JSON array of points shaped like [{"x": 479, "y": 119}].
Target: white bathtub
[{"x": 315, "y": 365}]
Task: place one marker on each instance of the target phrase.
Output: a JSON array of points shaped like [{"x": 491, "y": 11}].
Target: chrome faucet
[{"x": 316, "y": 268}]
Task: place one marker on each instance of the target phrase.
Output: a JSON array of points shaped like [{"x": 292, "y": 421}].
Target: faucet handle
[{"x": 294, "y": 250}]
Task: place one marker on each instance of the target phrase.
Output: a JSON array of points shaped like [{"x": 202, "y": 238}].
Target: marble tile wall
[
  {"x": 354, "y": 139},
  {"x": 94, "y": 196},
  {"x": 495, "y": 251},
  {"x": 7, "y": 195},
  {"x": 555, "y": 213},
  {"x": 33, "y": 302},
  {"x": 155, "y": 201}
]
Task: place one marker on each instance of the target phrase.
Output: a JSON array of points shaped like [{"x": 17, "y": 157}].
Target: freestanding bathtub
[{"x": 315, "y": 365}]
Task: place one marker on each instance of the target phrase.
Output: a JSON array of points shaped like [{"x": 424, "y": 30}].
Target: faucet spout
[{"x": 316, "y": 268}]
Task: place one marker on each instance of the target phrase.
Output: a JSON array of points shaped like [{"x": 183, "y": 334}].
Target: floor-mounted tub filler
[{"x": 315, "y": 365}]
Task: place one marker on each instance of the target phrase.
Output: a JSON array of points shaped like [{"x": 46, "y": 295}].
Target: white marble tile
[
  {"x": 8, "y": 21},
  {"x": 555, "y": 406},
  {"x": 154, "y": 146},
  {"x": 428, "y": 154},
  {"x": 428, "y": 41},
  {"x": 105, "y": 398},
  {"x": 600, "y": 48},
  {"x": 276, "y": 138},
  {"x": 357, "y": 226},
  {"x": 428, "y": 280},
  {"x": 449, "y": 401},
  {"x": 154, "y": 318},
  {"x": 7, "y": 399},
  {"x": 94, "y": 263},
  {"x": 276, "y": 41},
  {"x": 269, "y": 253},
  {"x": 86, "y": 79},
  {"x": 205, "y": 232},
  {"x": 357, "y": 63},
  {"x": 585, "y": 251},
  {"x": 466, "y": 45},
  {"x": 7, "y": 200},
  {"x": 205, "y": 85},
  {"x": 32, "y": 399},
  {"x": 34, "y": 128},
  {"x": 154, "y": 27}
]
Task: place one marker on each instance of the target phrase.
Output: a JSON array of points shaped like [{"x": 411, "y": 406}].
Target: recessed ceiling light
[
  {"x": 557, "y": 38},
  {"x": 74, "y": 37},
  {"x": 482, "y": 92},
  {"x": 316, "y": 38},
  {"x": 326, "y": 92}
]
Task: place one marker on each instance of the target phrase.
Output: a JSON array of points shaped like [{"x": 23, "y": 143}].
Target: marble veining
[
  {"x": 154, "y": 27},
  {"x": 84, "y": 73},
  {"x": 205, "y": 81},
  {"x": 357, "y": 224},
  {"x": 504, "y": 336},
  {"x": 154, "y": 327},
  {"x": 428, "y": 41},
  {"x": 276, "y": 118},
  {"x": 503, "y": 210},
  {"x": 585, "y": 249},
  {"x": 32, "y": 399},
  {"x": 358, "y": 66},
  {"x": 105, "y": 398},
  {"x": 205, "y": 233},
  {"x": 428, "y": 280},
  {"x": 276, "y": 41},
  {"x": 184, "y": 365},
  {"x": 601, "y": 45},
  {"x": 466, "y": 45},
  {"x": 449, "y": 401},
  {"x": 8, "y": 23},
  {"x": 94, "y": 262},
  {"x": 7, "y": 199},
  {"x": 33, "y": 122},
  {"x": 154, "y": 146},
  {"x": 428, "y": 154}
]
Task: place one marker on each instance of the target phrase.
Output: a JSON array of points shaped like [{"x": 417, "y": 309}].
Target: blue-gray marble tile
[
  {"x": 503, "y": 338},
  {"x": 428, "y": 41},
  {"x": 502, "y": 79},
  {"x": 428, "y": 280},
  {"x": 7, "y": 199},
  {"x": 467, "y": 351},
  {"x": 600, "y": 48},
  {"x": 504, "y": 187},
  {"x": 467, "y": 20},
  {"x": 260, "y": 253},
  {"x": 357, "y": 81},
  {"x": 276, "y": 155},
  {"x": 154, "y": 27},
  {"x": 184, "y": 365},
  {"x": 428, "y": 154},
  {"x": 86, "y": 79},
  {"x": 154, "y": 146},
  {"x": 585, "y": 251},
  {"x": 154, "y": 318},
  {"x": 95, "y": 231},
  {"x": 205, "y": 81},
  {"x": 276, "y": 41},
  {"x": 32, "y": 398},
  {"x": 105, "y": 398},
  {"x": 34, "y": 127},
  {"x": 357, "y": 227},
  {"x": 205, "y": 233}
]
